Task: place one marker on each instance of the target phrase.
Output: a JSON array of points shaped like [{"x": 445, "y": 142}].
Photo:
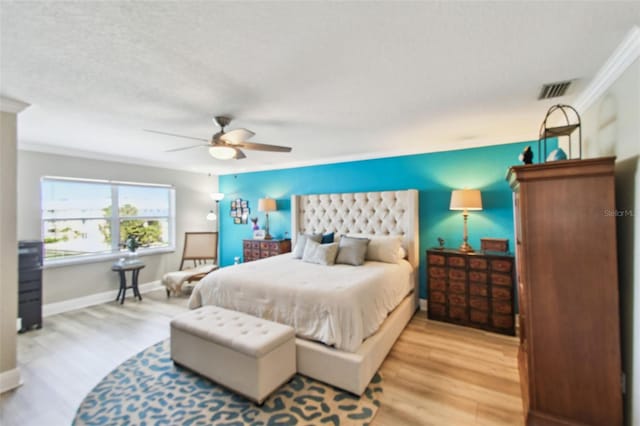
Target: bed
[
  {"x": 338, "y": 305},
  {"x": 346, "y": 318}
]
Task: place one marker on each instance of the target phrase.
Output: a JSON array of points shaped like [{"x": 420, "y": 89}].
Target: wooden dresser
[
  {"x": 472, "y": 289},
  {"x": 259, "y": 249},
  {"x": 569, "y": 357}
]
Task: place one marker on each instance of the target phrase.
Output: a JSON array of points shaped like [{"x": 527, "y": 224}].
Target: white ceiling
[{"x": 333, "y": 80}]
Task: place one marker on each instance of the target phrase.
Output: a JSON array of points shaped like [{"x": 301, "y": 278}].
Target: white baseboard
[
  {"x": 423, "y": 304},
  {"x": 10, "y": 379},
  {"x": 93, "y": 299}
]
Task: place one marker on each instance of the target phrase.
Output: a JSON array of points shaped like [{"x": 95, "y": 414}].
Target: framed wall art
[{"x": 239, "y": 211}]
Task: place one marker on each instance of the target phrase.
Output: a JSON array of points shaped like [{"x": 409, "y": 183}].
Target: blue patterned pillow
[{"x": 327, "y": 238}]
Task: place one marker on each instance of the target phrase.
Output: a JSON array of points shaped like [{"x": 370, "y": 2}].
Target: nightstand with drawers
[
  {"x": 260, "y": 249},
  {"x": 472, "y": 289}
]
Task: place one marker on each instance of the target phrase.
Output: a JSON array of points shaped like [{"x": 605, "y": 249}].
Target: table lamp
[
  {"x": 465, "y": 199},
  {"x": 267, "y": 205}
]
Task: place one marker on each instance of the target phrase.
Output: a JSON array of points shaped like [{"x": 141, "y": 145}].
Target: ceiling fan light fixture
[
  {"x": 222, "y": 152},
  {"x": 227, "y": 145}
]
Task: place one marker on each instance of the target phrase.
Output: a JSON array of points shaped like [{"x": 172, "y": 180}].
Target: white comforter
[{"x": 338, "y": 305}]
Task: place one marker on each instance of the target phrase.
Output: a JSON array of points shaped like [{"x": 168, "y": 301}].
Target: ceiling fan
[{"x": 226, "y": 145}]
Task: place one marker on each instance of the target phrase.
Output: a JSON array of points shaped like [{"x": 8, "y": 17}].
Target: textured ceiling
[{"x": 334, "y": 80}]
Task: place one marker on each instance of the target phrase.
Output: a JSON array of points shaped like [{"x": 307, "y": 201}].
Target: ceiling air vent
[{"x": 554, "y": 90}]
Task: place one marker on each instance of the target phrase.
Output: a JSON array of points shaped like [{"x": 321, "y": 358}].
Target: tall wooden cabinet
[{"x": 569, "y": 356}]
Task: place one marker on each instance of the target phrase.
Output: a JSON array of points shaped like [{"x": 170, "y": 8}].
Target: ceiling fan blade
[
  {"x": 186, "y": 147},
  {"x": 237, "y": 135},
  {"x": 263, "y": 147},
  {"x": 239, "y": 155},
  {"x": 176, "y": 135}
]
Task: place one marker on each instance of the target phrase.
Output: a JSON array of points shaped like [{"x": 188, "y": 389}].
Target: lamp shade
[
  {"x": 217, "y": 196},
  {"x": 466, "y": 199},
  {"x": 266, "y": 205}
]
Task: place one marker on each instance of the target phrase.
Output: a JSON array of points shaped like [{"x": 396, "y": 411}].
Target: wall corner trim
[
  {"x": 622, "y": 57},
  {"x": 10, "y": 379},
  {"x": 11, "y": 105}
]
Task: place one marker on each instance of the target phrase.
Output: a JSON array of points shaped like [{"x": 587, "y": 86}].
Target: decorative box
[{"x": 494, "y": 244}]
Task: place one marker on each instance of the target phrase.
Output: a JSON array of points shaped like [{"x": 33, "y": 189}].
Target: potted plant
[{"x": 132, "y": 244}]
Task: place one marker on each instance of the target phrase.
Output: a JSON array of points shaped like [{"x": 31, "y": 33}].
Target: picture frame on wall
[{"x": 240, "y": 211}]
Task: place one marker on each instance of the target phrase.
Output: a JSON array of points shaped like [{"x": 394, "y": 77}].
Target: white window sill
[{"x": 59, "y": 263}]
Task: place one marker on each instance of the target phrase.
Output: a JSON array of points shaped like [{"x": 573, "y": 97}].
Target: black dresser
[{"x": 30, "y": 284}]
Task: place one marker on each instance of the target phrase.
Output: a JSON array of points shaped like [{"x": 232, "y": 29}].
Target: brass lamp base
[
  {"x": 267, "y": 235},
  {"x": 466, "y": 248}
]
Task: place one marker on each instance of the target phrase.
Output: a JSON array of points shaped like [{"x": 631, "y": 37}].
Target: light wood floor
[{"x": 436, "y": 374}]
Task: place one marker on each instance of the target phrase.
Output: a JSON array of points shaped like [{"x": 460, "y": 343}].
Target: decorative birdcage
[{"x": 572, "y": 123}]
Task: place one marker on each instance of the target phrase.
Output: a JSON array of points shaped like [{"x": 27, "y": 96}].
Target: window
[{"x": 88, "y": 219}]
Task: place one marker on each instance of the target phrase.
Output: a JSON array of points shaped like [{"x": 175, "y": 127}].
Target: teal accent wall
[{"x": 434, "y": 175}]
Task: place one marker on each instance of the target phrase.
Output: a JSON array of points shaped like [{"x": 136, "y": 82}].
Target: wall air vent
[{"x": 554, "y": 90}]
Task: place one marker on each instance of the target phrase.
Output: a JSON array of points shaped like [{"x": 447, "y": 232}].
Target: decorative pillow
[
  {"x": 402, "y": 253},
  {"x": 322, "y": 254},
  {"x": 352, "y": 251},
  {"x": 383, "y": 248},
  {"x": 327, "y": 238},
  {"x": 298, "y": 250}
]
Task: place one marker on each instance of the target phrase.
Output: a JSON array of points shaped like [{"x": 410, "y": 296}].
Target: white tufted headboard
[{"x": 376, "y": 213}]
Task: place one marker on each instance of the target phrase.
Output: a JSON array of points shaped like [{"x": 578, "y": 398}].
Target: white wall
[
  {"x": 8, "y": 252},
  {"x": 611, "y": 126},
  {"x": 67, "y": 282}
]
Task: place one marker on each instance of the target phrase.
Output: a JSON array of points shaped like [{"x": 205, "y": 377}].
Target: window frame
[{"x": 114, "y": 221}]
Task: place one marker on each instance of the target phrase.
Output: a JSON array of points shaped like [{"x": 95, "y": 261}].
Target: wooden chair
[{"x": 200, "y": 248}]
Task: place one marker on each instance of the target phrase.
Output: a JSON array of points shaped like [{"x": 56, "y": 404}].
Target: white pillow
[
  {"x": 301, "y": 242},
  {"x": 402, "y": 253},
  {"x": 383, "y": 248},
  {"x": 322, "y": 254}
]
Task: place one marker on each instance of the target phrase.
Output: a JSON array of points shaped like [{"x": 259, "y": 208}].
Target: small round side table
[{"x": 121, "y": 267}]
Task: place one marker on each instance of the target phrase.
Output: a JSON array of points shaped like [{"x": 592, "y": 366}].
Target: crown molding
[
  {"x": 11, "y": 105},
  {"x": 379, "y": 155},
  {"x": 233, "y": 168},
  {"x": 625, "y": 54},
  {"x": 92, "y": 155}
]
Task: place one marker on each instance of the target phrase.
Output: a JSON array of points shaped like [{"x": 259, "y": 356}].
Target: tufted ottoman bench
[{"x": 248, "y": 355}]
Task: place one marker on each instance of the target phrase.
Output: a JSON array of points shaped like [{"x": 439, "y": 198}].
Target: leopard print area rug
[{"x": 148, "y": 389}]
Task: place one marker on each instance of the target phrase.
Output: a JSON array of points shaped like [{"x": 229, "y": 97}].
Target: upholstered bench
[{"x": 248, "y": 355}]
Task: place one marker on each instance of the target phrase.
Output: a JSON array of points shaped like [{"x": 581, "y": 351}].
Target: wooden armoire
[{"x": 569, "y": 357}]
